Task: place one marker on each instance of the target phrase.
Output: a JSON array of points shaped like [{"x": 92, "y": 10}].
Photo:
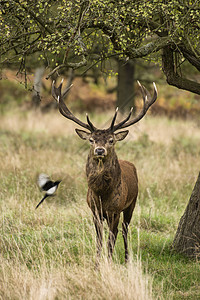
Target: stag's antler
[
  {"x": 56, "y": 93},
  {"x": 147, "y": 102}
]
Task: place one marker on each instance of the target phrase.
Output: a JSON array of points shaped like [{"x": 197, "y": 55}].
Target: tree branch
[
  {"x": 149, "y": 48},
  {"x": 130, "y": 51},
  {"x": 174, "y": 78},
  {"x": 37, "y": 19},
  {"x": 77, "y": 28},
  {"x": 107, "y": 29},
  {"x": 73, "y": 65},
  {"x": 17, "y": 37},
  {"x": 191, "y": 58}
]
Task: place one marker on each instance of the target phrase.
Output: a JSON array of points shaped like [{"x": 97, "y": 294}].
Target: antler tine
[
  {"x": 67, "y": 90},
  {"x": 90, "y": 123},
  {"x": 119, "y": 125},
  {"x": 113, "y": 120},
  {"x": 56, "y": 93},
  {"x": 147, "y": 102},
  {"x": 146, "y": 92}
]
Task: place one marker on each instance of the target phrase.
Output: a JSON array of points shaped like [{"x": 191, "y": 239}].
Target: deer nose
[{"x": 99, "y": 151}]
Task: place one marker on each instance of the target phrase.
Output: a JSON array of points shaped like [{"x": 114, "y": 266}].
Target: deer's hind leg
[{"x": 127, "y": 218}]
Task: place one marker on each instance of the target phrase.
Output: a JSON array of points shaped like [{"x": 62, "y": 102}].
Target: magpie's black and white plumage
[{"x": 47, "y": 185}]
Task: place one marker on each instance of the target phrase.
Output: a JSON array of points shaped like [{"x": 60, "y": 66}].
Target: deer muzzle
[{"x": 100, "y": 152}]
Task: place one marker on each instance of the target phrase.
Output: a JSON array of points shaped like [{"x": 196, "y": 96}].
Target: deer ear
[
  {"x": 121, "y": 135},
  {"x": 82, "y": 134}
]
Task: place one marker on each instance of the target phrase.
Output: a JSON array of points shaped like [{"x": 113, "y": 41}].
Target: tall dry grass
[
  {"x": 111, "y": 281},
  {"x": 50, "y": 253}
]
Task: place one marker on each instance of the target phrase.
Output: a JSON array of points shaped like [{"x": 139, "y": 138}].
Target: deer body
[
  {"x": 112, "y": 189},
  {"x": 112, "y": 183},
  {"x": 112, "y": 186}
]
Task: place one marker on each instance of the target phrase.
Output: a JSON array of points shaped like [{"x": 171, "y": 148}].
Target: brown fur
[{"x": 112, "y": 189}]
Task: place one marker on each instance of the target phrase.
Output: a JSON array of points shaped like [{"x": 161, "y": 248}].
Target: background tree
[
  {"x": 125, "y": 87},
  {"x": 37, "y": 86},
  {"x": 67, "y": 31}
]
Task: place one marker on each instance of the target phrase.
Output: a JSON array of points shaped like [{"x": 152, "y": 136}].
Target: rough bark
[
  {"x": 125, "y": 87},
  {"x": 187, "y": 238}
]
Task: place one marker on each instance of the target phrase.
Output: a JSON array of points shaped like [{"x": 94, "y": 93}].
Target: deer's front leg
[
  {"x": 113, "y": 221},
  {"x": 95, "y": 205},
  {"x": 98, "y": 222}
]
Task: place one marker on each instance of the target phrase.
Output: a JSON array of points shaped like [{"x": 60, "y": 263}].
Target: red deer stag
[{"x": 112, "y": 183}]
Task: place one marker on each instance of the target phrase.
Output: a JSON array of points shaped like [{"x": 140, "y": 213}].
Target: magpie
[{"x": 47, "y": 185}]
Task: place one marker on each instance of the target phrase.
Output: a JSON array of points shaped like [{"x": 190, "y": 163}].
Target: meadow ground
[{"x": 49, "y": 253}]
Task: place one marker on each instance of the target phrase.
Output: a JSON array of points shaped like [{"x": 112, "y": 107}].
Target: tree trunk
[
  {"x": 187, "y": 238},
  {"x": 37, "y": 86},
  {"x": 125, "y": 88}
]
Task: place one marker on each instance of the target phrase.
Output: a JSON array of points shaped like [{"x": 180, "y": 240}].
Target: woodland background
[{"x": 102, "y": 47}]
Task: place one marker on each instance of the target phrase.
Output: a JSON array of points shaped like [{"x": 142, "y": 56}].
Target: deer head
[{"x": 102, "y": 141}]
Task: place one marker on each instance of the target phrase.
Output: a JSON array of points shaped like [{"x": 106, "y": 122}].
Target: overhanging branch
[
  {"x": 154, "y": 46},
  {"x": 191, "y": 58},
  {"x": 173, "y": 78},
  {"x": 73, "y": 65},
  {"x": 149, "y": 48}
]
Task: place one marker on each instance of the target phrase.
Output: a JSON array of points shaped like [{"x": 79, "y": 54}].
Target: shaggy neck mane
[{"x": 103, "y": 174}]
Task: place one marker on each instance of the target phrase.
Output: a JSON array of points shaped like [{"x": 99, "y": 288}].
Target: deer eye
[
  {"x": 91, "y": 140},
  {"x": 111, "y": 141}
]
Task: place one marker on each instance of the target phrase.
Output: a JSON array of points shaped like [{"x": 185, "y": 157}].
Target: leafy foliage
[{"x": 66, "y": 33}]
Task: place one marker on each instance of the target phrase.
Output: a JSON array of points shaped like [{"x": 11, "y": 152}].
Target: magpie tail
[{"x": 42, "y": 200}]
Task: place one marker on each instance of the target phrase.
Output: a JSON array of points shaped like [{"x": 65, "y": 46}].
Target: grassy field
[{"x": 49, "y": 253}]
